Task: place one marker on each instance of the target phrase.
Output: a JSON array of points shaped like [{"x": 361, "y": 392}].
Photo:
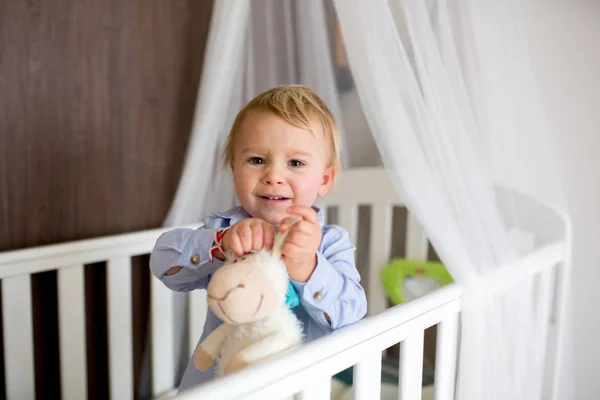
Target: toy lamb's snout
[{"x": 242, "y": 291}]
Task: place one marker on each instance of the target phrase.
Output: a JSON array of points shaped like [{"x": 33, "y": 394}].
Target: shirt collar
[{"x": 238, "y": 213}]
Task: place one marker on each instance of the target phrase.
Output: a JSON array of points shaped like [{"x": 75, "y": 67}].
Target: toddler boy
[{"x": 283, "y": 150}]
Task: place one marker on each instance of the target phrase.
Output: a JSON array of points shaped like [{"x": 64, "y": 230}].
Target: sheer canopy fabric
[{"x": 451, "y": 102}]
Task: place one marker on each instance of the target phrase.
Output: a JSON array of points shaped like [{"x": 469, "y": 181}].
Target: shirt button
[
  {"x": 318, "y": 296},
  {"x": 195, "y": 259}
]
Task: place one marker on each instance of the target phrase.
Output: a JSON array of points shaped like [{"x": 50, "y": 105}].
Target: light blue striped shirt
[{"x": 335, "y": 279}]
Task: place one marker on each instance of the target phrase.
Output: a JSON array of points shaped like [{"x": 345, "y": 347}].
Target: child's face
[{"x": 277, "y": 165}]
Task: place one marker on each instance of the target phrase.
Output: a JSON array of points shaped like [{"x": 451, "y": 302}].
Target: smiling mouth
[
  {"x": 233, "y": 321},
  {"x": 277, "y": 198}
]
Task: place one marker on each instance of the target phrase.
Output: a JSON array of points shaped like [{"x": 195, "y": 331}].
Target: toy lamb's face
[{"x": 248, "y": 289}]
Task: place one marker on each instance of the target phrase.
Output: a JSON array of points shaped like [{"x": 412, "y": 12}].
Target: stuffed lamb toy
[{"x": 249, "y": 295}]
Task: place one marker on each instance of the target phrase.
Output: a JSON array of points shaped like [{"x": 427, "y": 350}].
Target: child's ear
[{"x": 327, "y": 181}]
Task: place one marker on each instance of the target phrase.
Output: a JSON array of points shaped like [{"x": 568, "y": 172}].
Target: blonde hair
[{"x": 298, "y": 106}]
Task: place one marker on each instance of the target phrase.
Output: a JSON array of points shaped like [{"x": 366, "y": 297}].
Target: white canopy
[{"x": 452, "y": 106}]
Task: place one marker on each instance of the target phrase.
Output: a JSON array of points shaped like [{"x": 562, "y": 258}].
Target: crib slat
[
  {"x": 367, "y": 378},
  {"x": 71, "y": 317},
  {"x": 197, "y": 316},
  {"x": 348, "y": 219},
  {"x": 544, "y": 301},
  {"x": 446, "y": 351},
  {"x": 163, "y": 336},
  {"x": 411, "y": 367},
  {"x": 416, "y": 241},
  {"x": 18, "y": 337},
  {"x": 379, "y": 254},
  {"x": 320, "y": 389},
  {"x": 120, "y": 331}
]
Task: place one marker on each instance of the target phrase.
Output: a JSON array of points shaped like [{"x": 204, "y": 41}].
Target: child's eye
[
  {"x": 296, "y": 163},
  {"x": 256, "y": 160}
]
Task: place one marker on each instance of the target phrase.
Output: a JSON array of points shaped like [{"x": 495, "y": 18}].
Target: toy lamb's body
[
  {"x": 249, "y": 294},
  {"x": 257, "y": 340}
]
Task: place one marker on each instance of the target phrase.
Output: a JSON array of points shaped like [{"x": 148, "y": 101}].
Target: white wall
[
  {"x": 362, "y": 149},
  {"x": 565, "y": 51}
]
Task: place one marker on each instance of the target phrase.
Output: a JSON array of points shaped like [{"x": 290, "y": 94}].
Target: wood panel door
[{"x": 96, "y": 105}]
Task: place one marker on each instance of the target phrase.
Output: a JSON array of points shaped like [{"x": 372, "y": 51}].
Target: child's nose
[{"x": 273, "y": 177}]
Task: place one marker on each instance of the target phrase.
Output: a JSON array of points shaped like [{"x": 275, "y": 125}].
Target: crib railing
[
  {"x": 308, "y": 370},
  {"x": 16, "y": 268}
]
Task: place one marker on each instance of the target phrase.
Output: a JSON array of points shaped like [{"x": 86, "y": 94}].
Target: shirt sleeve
[
  {"x": 334, "y": 286},
  {"x": 186, "y": 248}
]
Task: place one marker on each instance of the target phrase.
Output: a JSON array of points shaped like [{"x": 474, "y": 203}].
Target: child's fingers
[
  {"x": 307, "y": 213},
  {"x": 244, "y": 232},
  {"x": 290, "y": 250},
  {"x": 301, "y": 237},
  {"x": 257, "y": 237},
  {"x": 285, "y": 223},
  {"x": 234, "y": 244},
  {"x": 301, "y": 240},
  {"x": 268, "y": 235},
  {"x": 306, "y": 227}
]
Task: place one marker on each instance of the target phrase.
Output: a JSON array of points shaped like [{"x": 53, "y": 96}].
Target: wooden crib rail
[
  {"x": 69, "y": 259},
  {"x": 308, "y": 369}
]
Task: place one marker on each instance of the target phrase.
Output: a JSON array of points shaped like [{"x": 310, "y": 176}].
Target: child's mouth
[{"x": 274, "y": 198}]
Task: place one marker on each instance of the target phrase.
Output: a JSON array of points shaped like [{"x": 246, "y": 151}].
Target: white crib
[{"x": 307, "y": 371}]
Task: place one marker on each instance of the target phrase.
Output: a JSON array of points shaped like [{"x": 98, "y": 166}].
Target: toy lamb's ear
[
  {"x": 278, "y": 242},
  {"x": 229, "y": 257}
]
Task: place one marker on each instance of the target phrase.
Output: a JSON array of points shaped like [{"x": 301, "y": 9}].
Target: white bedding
[{"x": 340, "y": 391}]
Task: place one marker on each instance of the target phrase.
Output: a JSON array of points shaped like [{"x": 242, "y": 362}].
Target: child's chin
[{"x": 274, "y": 218}]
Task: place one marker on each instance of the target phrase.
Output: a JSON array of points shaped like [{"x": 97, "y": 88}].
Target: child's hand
[
  {"x": 299, "y": 250},
  {"x": 247, "y": 235},
  {"x": 202, "y": 359}
]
